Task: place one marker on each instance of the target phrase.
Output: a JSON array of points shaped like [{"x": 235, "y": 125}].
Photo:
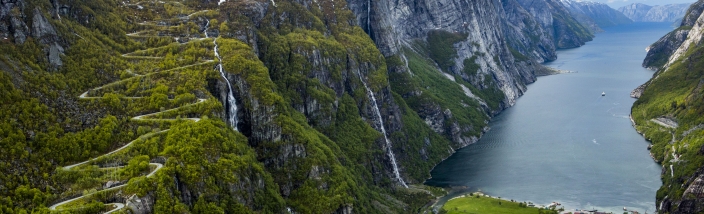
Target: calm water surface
[{"x": 563, "y": 141}]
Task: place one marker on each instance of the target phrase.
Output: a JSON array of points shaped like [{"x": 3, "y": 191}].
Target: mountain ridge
[
  {"x": 639, "y": 12},
  {"x": 596, "y": 15}
]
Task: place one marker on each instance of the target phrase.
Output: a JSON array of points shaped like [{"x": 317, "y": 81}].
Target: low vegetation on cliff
[{"x": 674, "y": 95}]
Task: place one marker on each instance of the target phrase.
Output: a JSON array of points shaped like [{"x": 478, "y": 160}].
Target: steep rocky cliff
[
  {"x": 16, "y": 25},
  {"x": 659, "y": 52},
  {"x": 695, "y": 10},
  {"x": 401, "y": 22},
  {"x": 663, "y": 52},
  {"x": 639, "y": 12},
  {"x": 526, "y": 35},
  {"x": 674, "y": 94},
  {"x": 587, "y": 12},
  {"x": 567, "y": 32},
  {"x": 475, "y": 47}
]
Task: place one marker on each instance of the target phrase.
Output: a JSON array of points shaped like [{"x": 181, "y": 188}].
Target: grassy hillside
[
  {"x": 675, "y": 93},
  {"x": 489, "y": 205}
]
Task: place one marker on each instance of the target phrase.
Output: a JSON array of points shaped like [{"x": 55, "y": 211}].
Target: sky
[{"x": 621, "y": 3}]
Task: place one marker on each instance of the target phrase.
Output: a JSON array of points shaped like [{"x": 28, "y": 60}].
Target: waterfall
[
  {"x": 403, "y": 56},
  {"x": 389, "y": 151},
  {"x": 231, "y": 102},
  {"x": 369, "y": 17}
]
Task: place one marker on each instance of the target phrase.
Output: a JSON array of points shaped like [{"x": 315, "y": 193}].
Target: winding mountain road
[
  {"x": 157, "y": 165},
  {"x": 145, "y": 117}
]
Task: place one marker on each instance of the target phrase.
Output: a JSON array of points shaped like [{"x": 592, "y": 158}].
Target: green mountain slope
[
  {"x": 669, "y": 114},
  {"x": 160, "y": 100}
]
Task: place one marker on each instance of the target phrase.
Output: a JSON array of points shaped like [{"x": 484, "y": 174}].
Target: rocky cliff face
[
  {"x": 660, "y": 52},
  {"x": 660, "y": 13},
  {"x": 394, "y": 24},
  {"x": 17, "y": 26},
  {"x": 487, "y": 57},
  {"x": 556, "y": 20},
  {"x": 692, "y": 200},
  {"x": 526, "y": 35},
  {"x": 493, "y": 53},
  {"x": 636, "y": 11},
  {"x": 675, "y": 92},
  {"x": 692, "y": 40},
  {"x": 695, "y": 10},
  {"x": 601, "y": 15}
]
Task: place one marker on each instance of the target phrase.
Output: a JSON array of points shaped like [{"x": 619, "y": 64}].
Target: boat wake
[{"x": 615, "y": 114}]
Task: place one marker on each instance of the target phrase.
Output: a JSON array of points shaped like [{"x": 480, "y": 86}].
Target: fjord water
[{"x": 563, "y": 141}]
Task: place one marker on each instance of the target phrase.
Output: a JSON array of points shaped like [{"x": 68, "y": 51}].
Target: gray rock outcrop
[
  {"x": 636, "y": 93},
  {"x": 660, "y": 51},
  {"x": 691, "y": 201},
  {"x": 494, "y": 27},
  {"x": 15, "y": 27},
  {"x": 12, "y": 26},
  {"x": 695, "y": 10},
  {"x": 526, "y": 35},
  {"x": 45, "y": 33},
  {"x": 567, "y": 32},
  {"x": 665, "y": 46}
]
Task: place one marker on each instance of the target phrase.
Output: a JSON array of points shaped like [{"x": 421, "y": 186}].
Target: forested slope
[
  {"x": 669, "y": 114},
  {"x": 122, "y": 80}
]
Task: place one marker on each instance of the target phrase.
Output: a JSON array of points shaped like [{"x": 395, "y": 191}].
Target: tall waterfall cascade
[
  {"x": 231, "y": 102},
  {"x": 389, "y": 150}
]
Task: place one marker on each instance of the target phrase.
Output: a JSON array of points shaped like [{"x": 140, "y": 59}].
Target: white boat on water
[{"x": 603, "y": 94}]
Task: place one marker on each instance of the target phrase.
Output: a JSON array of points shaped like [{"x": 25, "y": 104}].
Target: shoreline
[
  {"x": 529, "y": 203},
  {"x": 547, "y": 71},
  {"x": 454, "y": 193},
  {"x": 571, "y": 203},
  {"x": 561, "y": 209}
]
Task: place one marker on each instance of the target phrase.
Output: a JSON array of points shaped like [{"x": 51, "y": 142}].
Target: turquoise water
[{"x": 563, "y": 141}]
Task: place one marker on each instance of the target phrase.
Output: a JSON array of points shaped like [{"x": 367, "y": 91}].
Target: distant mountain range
[
  {"x": 660, "y": 13},
  {"x": 594, "y": 14}
]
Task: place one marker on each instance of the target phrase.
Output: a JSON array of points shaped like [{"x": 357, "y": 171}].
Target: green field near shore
[{"x": 488, "y": 205}]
